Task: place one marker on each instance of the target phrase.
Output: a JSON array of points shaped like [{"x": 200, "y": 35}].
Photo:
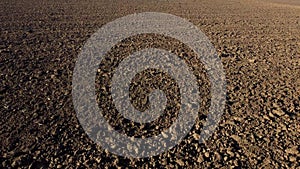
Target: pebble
[
  {"x": 180, "y": 162},
  {"x": 278, "y": 112},
  {"x": 292, "y": 150},
  {"x": 206, "y": 154}
]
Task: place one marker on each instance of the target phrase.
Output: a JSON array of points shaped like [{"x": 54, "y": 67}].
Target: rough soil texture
[{"x": 257, "y": 41}]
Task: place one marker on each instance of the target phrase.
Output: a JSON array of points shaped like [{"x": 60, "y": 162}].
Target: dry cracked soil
[{"x": 258, "y": 43}]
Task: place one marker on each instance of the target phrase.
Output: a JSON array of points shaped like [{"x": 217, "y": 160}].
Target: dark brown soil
[{"x": 257, "y": 41}]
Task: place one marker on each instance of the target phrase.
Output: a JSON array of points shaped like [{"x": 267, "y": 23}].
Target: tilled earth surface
[{"x": 257, "y": 41}]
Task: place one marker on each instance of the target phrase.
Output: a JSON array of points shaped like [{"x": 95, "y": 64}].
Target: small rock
[
  {"x": 206, "y": 154},
  {"x": 251, "y": 60},
  {"x": 164, "y": 135},
  {"x": 292, "y": 150},
  {"x": 292, "y": 159},
  {"x": 196, "y": 136},
  {"x": 218, "y": 156},
  {"x": 266, "y": 117},
  {"x": 180, "y": 162},
  {"x": 230, "y": 153},
  {"x": 238, "y": 118},
  {"x": 200, "y": 159},
  {"x": 236, "y": 138},
  {"x": 278, "y": 112},
  {"x": 271, "y": 115}
]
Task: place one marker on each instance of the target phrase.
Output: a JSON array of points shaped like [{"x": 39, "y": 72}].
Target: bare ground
[{"x": 258, "y": 42}]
